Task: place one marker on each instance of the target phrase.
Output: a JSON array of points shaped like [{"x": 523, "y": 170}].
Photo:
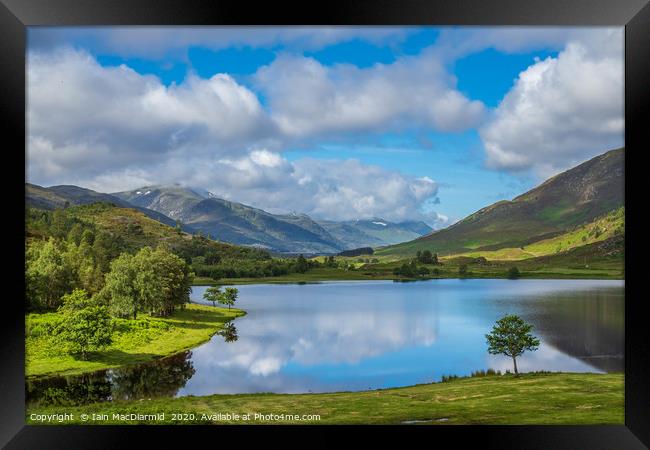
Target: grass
[
  {"x": 579, "y": 263},
  {"x": 539, "y": 398},
  {"x": 134, "y": 341},
  {"x": 602, "y": 228}
]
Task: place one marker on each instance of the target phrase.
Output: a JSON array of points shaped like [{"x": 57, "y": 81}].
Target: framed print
[{"x": 240, "y": 220}]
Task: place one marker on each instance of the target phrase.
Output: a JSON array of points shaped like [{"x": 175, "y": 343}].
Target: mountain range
[
  {"x": 197, "y": 210},
  {"x": 552, "y": 213},
  {"x": 284, "y": 233}
]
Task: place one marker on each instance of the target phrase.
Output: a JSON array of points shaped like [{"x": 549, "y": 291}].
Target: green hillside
[
  {"x": 572, "y": 198},
  {"x": 132, "y": 230},
  {"x": 601, "y": 229}
]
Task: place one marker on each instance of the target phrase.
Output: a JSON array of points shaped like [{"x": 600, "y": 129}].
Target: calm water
[{"x": 367, "y": 335}]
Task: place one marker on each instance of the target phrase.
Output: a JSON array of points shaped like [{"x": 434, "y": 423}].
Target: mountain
[
  {"x": 375, "y": 232},
  {"x": 234, "y": 222},
  {"x": 560, "y": 204},
  {"x": 62, "y": 196},
  {"x": 283, "y": 233}
]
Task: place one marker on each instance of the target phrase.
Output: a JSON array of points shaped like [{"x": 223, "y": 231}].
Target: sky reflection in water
[{"x": 361, "y": 335}]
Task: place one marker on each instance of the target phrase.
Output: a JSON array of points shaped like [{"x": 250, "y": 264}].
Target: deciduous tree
[{"x": 511, "y": 336}]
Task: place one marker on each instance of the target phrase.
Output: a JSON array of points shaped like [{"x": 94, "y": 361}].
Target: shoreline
[
  {"x": 532, "y": 398},
  {"x": 204, "y": 281},
  {"x": 201, "y": 323}
]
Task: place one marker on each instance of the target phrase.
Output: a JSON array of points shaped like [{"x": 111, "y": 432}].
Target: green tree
[
  {"x": 84, "y": 326},
  {"x": 229, "y": 297},
  {"x": 163, "y": 280},
  {"x": 48, "y": 275},
  {"x": 119, "y": 288},
  {"x": 462, "y": 270},
  {"x": 425, "y": 257},
  {"x": 88, "y": 237},
  {"x": 60, "y": 224},
  {"x": 212, "y": 258},
  {"x": 213, "y": 294},
  {"x": 74, "y": 235},
  {"x": 105, "y": 249},
  {"x": 511, "y": 336},
  {"x": 513, "y": 273},
  {"x": 155, "y": 281},
  {"x": 301, "y": 264}
]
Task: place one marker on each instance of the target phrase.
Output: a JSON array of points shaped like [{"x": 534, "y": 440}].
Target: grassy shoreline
[
  {"x": 539, "y": 398},
  {"x": 318, "y": 275},
  {"x": 135, "y": 342}
]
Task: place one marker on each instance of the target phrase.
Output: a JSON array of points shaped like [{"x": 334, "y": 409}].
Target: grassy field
[
  {"x": 541, "y": 398},
  {"x": 135, "y": 341},
  {"x": 576, "y": 264}
]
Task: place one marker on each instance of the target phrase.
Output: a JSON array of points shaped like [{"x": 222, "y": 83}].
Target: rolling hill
[
  {"x": 572, "y": 198},
  {"x": 134, "y": 230},
  {"x": 63, "y": 196}
]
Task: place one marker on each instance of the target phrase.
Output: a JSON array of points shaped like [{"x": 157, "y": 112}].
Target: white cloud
[
  {"x": 561, "y": 111},
  {"x": 111, "y": 128},
  {"x": 457, "y": 42},
  {"x": 83, "y": 117},
  {"x": 158, "y": 42},
  {"x": 307, "y": 98}
]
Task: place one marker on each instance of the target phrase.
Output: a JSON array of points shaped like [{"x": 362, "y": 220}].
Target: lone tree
[
  {"x": 213, "y": 294},
  {"x": 511, "y": 336}
]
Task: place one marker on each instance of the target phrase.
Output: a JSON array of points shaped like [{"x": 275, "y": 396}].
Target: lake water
[{"x": 362, "y": 335}]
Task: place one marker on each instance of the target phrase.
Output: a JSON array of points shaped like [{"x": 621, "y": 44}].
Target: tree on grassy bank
[
  {"x": 152, "y": 281},
  {"x": 84, "y": 326},
  {"x": 511, "y": 336},
  {"x": 213, "y": 294},
  {"x": 229, "y": 297}
]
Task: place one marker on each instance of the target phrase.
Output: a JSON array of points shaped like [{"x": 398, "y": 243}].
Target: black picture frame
[{"x": 16, "y": 15}]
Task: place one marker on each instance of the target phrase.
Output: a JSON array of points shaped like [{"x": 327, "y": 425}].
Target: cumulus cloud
[
  {"x": 111, "y": 128},
  {"x": 307, "y": 98},
  {"x": 85, "y": 117},
  {"x": 562, "y": 110}
]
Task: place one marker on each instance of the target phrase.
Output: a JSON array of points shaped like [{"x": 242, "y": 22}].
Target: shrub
[{"x": 513, "y": 273}]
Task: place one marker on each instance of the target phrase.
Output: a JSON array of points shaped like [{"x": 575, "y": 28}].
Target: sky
[{"x": 341, "y": 123}]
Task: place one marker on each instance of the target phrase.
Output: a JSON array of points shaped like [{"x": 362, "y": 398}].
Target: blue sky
[{"x": 418, "y": 110}]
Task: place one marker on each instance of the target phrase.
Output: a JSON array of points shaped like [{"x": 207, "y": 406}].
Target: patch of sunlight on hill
[{"x": 600, "y": 229}]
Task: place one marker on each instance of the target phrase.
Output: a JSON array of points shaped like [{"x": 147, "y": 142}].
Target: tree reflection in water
[
  {"x": 229, "y": 333},
  {"x": 162, "y": 378}
]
